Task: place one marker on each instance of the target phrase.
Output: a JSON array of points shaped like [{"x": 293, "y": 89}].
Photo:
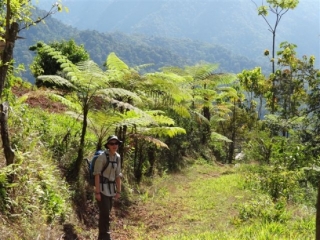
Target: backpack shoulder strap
[{"x": 107, "y": 162}]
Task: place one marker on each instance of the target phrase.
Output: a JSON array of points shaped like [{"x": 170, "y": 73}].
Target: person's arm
[
  {"x": 97, "y": 170},
  {"x": 97, "y": 187}
]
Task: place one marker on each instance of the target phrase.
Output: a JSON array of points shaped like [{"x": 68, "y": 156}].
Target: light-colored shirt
[{"x": 112, "y": 171}]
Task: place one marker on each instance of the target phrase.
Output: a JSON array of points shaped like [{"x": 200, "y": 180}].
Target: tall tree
[
  {"x": 15, "y": 16},
  {"x": 279, "y": 8},
  {"x": 86, "y": 81}
]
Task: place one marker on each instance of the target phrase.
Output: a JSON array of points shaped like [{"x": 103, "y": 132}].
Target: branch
[{"x": 55, "y": 8}]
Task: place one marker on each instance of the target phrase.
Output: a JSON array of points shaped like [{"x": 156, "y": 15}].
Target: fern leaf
[
  {"x": 218, "y": 137},
  {"x": 181, "y": 111},
  {"x": 55, "y": 80},
  {"x": 119, "y": 92},
  {"x": 115, "y": 63},
  {"x": 149, "y": 139},
  {"x": 163, "y": 120},
  {"x": 164, "y": 131},
  {"x": 64, "y": 101}
]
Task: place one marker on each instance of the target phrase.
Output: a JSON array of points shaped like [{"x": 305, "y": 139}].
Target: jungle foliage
[{"x": 167, "y": 119}]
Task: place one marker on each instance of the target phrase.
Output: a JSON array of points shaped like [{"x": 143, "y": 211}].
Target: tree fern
[
  {"x": 218, "y": 137},
  {"x": 163, "y": 131},
  {"x": 115, "y": 63},
  {"x": 118, "y": 92},
  {"x": 150, "y": 139},
  {"x": 54, "y": 80}
]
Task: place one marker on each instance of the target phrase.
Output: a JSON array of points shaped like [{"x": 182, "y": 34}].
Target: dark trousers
[{"x": 105, "y": 206}]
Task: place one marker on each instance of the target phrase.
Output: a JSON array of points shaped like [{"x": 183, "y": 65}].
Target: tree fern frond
[
  {"x": 202, "y": 70},
  {"x": 156, "y": 142},
  {"x": 131, "y": 107},
  {"x": 75, "y": 115},
  {"x": 134, "y": 122},
  {"x": 163, "y": 120},
  {"x": 169, "y": 84},
  {"x": 102, "y": 122},
  {"x": 63, "y": 100},
  {"x": 89, "y": 66},
  {"x": 181, "y": 111},
  {"x": 104, "y": 117},
  {"x": 216, "y": 118},
  {"x": 155, "y": 112},
  {"x": 200, "y": 118},
  {"x": 118, "y": 92},
  {"x": 218, "y": 137},
  {"x": 223, "y": 108},
  {"x": 224, "y": 78},
  {"x": 67, "y": 65},
  {"x": 149, "y": 139},
  {"x": 115, "y": 63},
  {"x": 230, "y": 92},
  {"x": 164, "y": 131},
  {"x": 142, "y": 66},
  {"x": 55, "y": 80}
]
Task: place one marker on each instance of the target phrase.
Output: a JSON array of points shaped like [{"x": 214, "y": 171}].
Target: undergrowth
[{"x": 213, "y": 202}]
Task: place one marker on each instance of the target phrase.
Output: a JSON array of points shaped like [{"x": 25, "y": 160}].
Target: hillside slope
[
  {"x": 133, "y": 49},
  {"x": 208, "y": 202},
  {"x": 233, "y": 24}
]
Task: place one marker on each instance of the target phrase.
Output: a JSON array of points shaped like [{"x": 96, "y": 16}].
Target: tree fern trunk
[
  {"x": 78, "y": 163},
  {"x": 151, "y": 159}
]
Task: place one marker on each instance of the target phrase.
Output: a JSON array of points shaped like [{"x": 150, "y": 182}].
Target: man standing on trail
[{"x": 107, "y": 172}]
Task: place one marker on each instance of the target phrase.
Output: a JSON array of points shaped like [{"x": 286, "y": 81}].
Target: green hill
[
  {"x": 133, "y": 49},
  {"x": 233, "y": 24}
]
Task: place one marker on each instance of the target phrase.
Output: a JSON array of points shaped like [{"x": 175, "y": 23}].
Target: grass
[{"x": 203, "y": 202}]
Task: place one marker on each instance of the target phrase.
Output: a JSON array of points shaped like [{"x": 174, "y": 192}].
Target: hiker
[{"x": 107, "y": 184}]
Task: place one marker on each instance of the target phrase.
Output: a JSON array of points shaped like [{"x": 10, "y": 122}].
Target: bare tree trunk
[
  {"x": 121, "y": 133},
  {"x": 8, "y": 152},
  {"x": 233, "y": 135},
  {"x": 6, "y": 57}
]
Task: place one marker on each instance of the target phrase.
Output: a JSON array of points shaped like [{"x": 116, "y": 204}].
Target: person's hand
[
  {"x": 98, "y": 196},
  {"x": 117, "y": 196}
]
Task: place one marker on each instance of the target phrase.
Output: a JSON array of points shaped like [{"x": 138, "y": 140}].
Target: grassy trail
[
  {"x": 204, "y": 203},
  {"x": 201, "y": 199}
]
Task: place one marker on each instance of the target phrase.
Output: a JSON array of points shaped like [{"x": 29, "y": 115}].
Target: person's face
[{"x": 113, "y": 145}]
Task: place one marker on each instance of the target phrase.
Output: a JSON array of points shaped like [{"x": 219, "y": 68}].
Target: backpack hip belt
[{"x": 104, "y": 180}]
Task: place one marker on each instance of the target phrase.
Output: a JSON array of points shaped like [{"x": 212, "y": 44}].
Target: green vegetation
[
  {"x": 182, "y": 128},
  {"x": 207, "y": 201},
  {"x": 134, "y": 49}
]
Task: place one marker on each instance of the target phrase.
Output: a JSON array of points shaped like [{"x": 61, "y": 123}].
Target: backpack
[{"x": 91, "y": 166}]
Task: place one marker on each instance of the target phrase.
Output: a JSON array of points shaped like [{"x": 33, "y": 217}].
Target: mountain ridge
[
  {"x": 134, "y": 49},
  {"x": 233, "y": 24}
]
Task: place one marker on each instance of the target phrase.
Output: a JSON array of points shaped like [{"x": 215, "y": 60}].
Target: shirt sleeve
[
  {"x": 118, "y": 170},
  {"x": 100, "y": 161}
]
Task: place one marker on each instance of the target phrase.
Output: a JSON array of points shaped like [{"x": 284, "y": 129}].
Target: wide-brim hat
[{"x": 113, "y": 137}]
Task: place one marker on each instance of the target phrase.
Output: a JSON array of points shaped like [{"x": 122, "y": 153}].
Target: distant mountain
[
  {"x": 233, "y": 24},
  {"x": 134, "y": 49}
]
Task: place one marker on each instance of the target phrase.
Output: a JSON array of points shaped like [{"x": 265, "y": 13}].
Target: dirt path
[{"x": 196, "y": 198}]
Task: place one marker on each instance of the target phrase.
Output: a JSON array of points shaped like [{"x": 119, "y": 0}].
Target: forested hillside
[
  {"x": 234, "y": 24},
  {"x": 207, "y": 151},
  {"x": 133, "y": 49}
]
